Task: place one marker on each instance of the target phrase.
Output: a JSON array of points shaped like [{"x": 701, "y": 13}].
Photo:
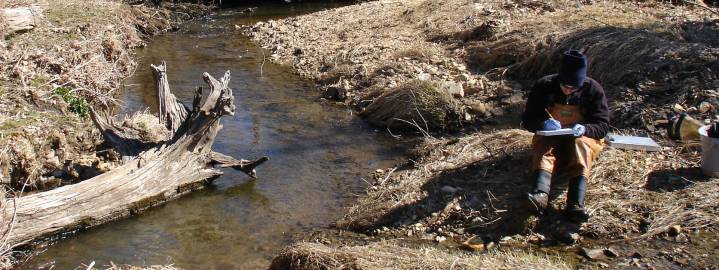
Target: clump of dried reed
[
  {"x": 416, "y": 106},
  {"x": 396, "y": 255}
]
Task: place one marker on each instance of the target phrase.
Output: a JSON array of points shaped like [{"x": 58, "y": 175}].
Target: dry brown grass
[
  {"x": 84, "y": 47},
  {"x": 3, "y": 25},
  {"x": 469, "y": 163},
  {"x": 131, "y": 267},
  {"x": 636, "y": 51},
  {"x": 631, "y": 194},
  {"x": 416, "y": 106},
  {"x": 643, "y": 194},
  {"x": 520, "y": 36},
  {"x": 396, "y": 255}
]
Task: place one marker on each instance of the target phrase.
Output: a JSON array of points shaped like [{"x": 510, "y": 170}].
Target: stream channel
[{"x": 319, "y": 155}]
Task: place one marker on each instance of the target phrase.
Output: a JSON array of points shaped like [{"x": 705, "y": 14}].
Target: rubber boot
[
  {"x": 575, "y": 200},
  {"x": 538, "y": 198}
]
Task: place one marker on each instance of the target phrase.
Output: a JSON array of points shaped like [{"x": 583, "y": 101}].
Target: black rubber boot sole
[{"x": 577, "y": 215}]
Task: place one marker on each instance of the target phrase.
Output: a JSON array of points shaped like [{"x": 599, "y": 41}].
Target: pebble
[
  {"x": 682, "y": 238},
  {"x": 454, "y": 89},
  {"x": 610, "y": 252},
  {"x": 593, "y": 254}
]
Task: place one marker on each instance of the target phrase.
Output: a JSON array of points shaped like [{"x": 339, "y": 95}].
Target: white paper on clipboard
[{"x": 558, "y": 132}]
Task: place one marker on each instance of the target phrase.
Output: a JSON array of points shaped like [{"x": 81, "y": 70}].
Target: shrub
[{"x": 78, "y": 105}]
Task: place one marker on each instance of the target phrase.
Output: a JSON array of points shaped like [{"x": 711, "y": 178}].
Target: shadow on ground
[
  {"x": 484, "y": 198},
  {"x": 668, "y": 180}
]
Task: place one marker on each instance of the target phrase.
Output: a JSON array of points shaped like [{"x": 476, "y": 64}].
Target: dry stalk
[{"x": 703, "y": 6}]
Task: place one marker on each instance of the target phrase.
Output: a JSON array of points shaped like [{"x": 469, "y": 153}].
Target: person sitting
[{"x": 568, "y": 99}]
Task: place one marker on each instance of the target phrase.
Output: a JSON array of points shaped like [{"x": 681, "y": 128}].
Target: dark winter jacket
[{"x": 590, "y": 98}]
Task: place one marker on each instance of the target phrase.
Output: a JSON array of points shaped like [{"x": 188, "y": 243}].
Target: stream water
[{"x": 319, "y": 153}]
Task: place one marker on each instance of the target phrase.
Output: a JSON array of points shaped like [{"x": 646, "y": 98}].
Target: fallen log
[
  {"x": 157, "y": 173},
  {"x": 19, "y": 19}
]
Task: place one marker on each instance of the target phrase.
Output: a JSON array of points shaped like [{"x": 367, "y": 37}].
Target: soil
[
  {"x": 461, "y": 189},
  {"x": 74, "y": 58}
]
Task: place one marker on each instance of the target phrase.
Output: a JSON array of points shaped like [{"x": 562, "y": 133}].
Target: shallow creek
[{"x": 319, "y": 155}]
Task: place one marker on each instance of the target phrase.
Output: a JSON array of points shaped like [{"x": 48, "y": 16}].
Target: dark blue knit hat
[{"x": 573, "y": 69}]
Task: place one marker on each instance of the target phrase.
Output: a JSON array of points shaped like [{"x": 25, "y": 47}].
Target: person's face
[{"x": 567, "y": 89}]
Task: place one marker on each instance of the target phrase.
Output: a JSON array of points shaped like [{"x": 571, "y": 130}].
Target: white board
[
  {"x": 558, "y": 132},
  {"x": 633, "y": 143}
]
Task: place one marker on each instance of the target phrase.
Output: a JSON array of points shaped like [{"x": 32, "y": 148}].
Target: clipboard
[
  {"x": 558, "y": 132},
  {"x": 633, "y": 143}
]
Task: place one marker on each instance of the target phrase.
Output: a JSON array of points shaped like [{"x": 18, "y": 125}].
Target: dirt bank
[
  {"x": 75, "y": 57},
  {"x": 664, "y": 56},
  {"x": 655, "y": 60}
]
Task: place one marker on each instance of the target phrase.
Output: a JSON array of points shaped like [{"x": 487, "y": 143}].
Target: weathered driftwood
[
  {"x": 20, "y": 19},
  {"x": 160, "y": 172},
  {"x": 171, "y": 111}
]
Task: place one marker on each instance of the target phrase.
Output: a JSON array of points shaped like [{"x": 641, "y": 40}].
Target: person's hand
[
  {"x": 551, "y": 124},
  {"x": 578, "y": 130}
]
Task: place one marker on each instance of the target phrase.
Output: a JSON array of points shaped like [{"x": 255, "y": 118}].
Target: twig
[
  {"x": 451, "y": 267},
  {"x": 701, "y": 6},
  {"x": 388, "y": 175},
  {"x": 413, "y": 123},
  {"x": 264, "y": 58},
  {"x": 417, "y": 109},
  {"x": 491, "y": 154}
]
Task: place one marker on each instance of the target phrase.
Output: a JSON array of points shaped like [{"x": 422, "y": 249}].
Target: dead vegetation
[
  {"x": 458, "y": 189},
  {"x": 395, "y": 255},
  {"x": 475, "y": 183},
  {"x": 3, "y": 25},
  {"x": 639, "y": 47},
  {"x": 114, "y": 266},
  {"x": 416, "y": 105},
  {"x": 75, "y": 57},
  {"x": 654, "y": 58},
  {"x": 638, "y": 56}
]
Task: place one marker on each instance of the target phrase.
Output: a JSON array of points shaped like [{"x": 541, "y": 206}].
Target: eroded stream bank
[{"x": 319, "y": 155}]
